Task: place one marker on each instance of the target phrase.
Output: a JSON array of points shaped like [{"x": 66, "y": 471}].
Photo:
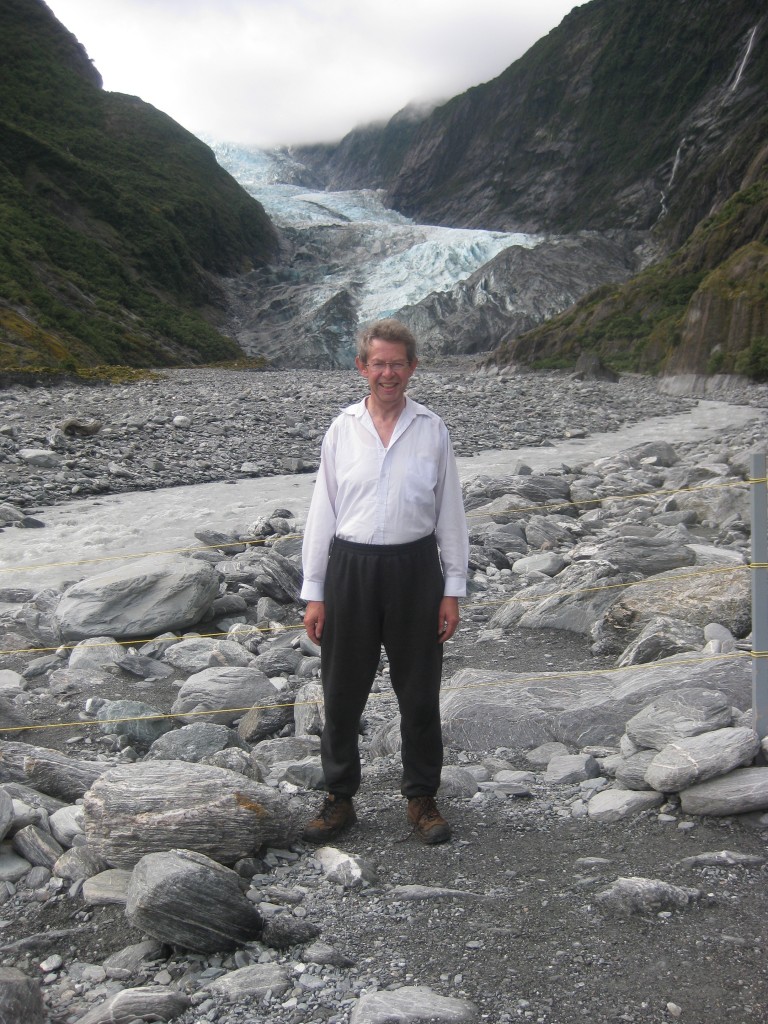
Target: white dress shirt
[{"x": 375, "y": 495}]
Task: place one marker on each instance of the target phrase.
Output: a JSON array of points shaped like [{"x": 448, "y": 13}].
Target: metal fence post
[{"x": 759, "y": 503}]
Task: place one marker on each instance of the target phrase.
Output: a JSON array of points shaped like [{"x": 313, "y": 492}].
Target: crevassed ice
[
  {"x": 392, "y": 261},
  {"x": 445, "y": 257}
]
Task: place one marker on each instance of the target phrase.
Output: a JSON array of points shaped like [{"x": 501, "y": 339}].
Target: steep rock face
[
  {"x": 518, "y": 289},
  {"x": 727, "y": 319},
  {"x": 628, "y": 112},
  {"x": 117, "y": 222},
  {"x": 371, "y": 155},
  {"x": 701, "y": 310},
  {"x": 633, "y": 114}
]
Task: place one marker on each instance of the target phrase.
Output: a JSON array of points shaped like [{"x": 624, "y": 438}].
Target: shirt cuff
[
  {"x": 455, "y": 586},
  {"x": 312, "y": 590}
]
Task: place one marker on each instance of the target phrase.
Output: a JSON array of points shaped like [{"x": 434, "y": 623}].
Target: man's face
[{"x": 387, "y": 371}]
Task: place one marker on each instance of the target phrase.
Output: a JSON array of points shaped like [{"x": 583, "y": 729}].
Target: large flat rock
[
  {"x": 486, "y": 709},
  {"x": 141, "y": 598}
]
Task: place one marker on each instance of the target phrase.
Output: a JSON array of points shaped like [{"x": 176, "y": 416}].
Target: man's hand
[
  {"x": 314, "y": 620},
  {"x": 448, "y": 618}
]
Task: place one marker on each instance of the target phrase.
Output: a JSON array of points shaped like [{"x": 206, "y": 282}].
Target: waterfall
[
  {"x": 676, "y": 162},
  {"x": 664, "y": 192},
  {"x": 744, "y": 59}
]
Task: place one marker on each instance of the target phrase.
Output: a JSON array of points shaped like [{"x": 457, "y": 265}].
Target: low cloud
[{"x": 271, "y": 72}]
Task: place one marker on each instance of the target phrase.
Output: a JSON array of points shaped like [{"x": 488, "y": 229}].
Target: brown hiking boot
[
  {"x": 335, "y": 815},
  {"x": 428, "y": 823}
]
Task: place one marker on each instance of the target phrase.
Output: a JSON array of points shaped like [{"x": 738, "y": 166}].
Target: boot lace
[
  {"x": 332, "y": 807},
  {"x": 427, "y": 808}
]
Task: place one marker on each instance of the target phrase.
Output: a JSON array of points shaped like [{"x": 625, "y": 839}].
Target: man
[{"x": 385, "y": 560}]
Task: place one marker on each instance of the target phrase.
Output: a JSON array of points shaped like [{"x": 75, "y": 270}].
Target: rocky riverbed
[
  {"x": 196, "y": 426},
  {"x": 604, "y": 643}
]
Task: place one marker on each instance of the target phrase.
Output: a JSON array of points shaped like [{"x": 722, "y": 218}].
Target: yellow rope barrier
[
  {"x": 292, "y": 536},
  {"x": 533, "y": 599},
  {"x": 493, "y": 684},
  {"x": 256, "y": 629}
]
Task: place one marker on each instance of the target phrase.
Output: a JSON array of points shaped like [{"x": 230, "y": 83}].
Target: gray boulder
[
  {"x": 566, "y": 769},
  {"x": 573, "y": 600},
  {"x": 411, "y": 1004},
  {"x": 79, "y": 862},
  {"x": 309, "y": 711},
  {"x": 149, "y": 1002},
  {"x": 37, "y": 846},
  {"x": 661, "y": 638},
  {"x": 502, "y": 498},
  {"x": 66, "y": 824},
  {"x": 552, "y": 531},
  {"x": 157, "y": 805},
  {"x": 223, "y": 694},
  {"x": 589, "y": 366},
  {"x": 265, "y": 720},
  {"x": 687, "y": 761},
  {"x": 130, "y": 959},
  {"x": 278, "y": 660},
  {"x": 688, "y": 711},
  {"x": 141, "y": 598},
  {"x": 21, "y": 998},
  {"x": 251, "y": 982},
  {"x": 6, "y": 814},
  {"x": 42, "y": 458},
  {"x": 10, "y": 514},
  {"x": 548, "y": 562},
  {"x": 618, "y": 804},
  {"x": 48, "y": 771},
  {"x": 503, "y": 536},
  {"x": 191, "y": 742},
  {"x": 543, "y": 754},
  {"x": 696, "y": 597},
  {"x": 630, "y": 771},
  {"x": 711, "y": 555},
  {"x": 711, "y": 501},
  {"x": 645, "y": 896},
  {"x": 655, "y": 453},
  {"x": 486, "y": 709},
  {"x": 284, "y": 749},
  {"x": 97, "y": 654},
  {"x": 198, "y": 653},
  {"x": 739, "y": 792},
  {"x": 107, "y": 888},
  {"x": 457, "y": 782},
  {"x": 650, "y": 554},
  {"x": 279, "y": 577},
  {"x": 189, "y": 900},
  {"x": 140, "y": 723}
]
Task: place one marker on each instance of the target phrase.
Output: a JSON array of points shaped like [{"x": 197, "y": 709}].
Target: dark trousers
[{"x": 390, "y": 595}]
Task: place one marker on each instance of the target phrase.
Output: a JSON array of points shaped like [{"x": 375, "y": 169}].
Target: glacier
[{"x": 347, "y": 259}]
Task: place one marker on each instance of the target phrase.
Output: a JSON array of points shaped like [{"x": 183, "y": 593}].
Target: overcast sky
[{"x": 272, "y": 72}]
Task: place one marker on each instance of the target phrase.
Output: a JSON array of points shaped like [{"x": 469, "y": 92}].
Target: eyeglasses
[{"x": 378, "y": 366}]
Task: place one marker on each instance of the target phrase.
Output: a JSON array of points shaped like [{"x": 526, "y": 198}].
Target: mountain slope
[
  {"x": 116, "y": 222},
  {"x": 702, "y": 310},
  {"x": 629, "y": 113},
  {"x": 641, "y": 114}
]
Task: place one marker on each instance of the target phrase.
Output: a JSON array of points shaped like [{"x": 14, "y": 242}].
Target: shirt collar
[{"x": 411, "y": 410}]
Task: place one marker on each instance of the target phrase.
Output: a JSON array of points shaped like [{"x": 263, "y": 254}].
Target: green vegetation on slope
[
  {"x": 701, "y": 310},
  {"x": 115, "y": 220}
]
